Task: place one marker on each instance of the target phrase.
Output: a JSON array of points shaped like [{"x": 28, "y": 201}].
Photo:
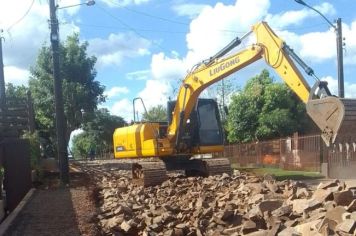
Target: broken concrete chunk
[
  {"x": 347, "y": 226},
  {"x": 343, "y": 198},
  {"x": 269, "y": 205},
  {"x": 322, "y": 195},
  {"x": 328, "y": 184}
]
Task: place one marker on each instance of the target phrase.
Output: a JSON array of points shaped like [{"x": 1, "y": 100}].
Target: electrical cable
[
  {"x": 128, "y": 26},
  {"x": 149, "y": 15},
  {"x": 21, "y": 18}
]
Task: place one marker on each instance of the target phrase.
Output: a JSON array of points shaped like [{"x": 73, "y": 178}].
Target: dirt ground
[{"x": 58, "y": 210}]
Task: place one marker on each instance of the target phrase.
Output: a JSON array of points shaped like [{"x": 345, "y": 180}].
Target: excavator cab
[
  {"x": 336, "y": 117},
  {"x": 203, "y": 127}
]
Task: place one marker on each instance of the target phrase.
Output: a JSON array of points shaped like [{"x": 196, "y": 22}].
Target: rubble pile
[{"x": 241, "y": 204}]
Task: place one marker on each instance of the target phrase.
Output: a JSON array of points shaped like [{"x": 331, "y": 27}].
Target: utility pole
[
  {"x": 2, "y": 78},
  {"x": 339, "y": 47},
  {"x": 340, "y": 60},
  {"x": 58, "y": 97}
]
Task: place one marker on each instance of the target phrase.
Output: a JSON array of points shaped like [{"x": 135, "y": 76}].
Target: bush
[{"x": 35, "y": 151}]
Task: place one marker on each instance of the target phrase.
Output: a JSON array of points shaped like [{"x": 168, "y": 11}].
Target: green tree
[
  {"x": 82, "y": 144},
  {"x": 98, "y": 128},
  {"x": 16, "y": 95},
  {"x": 265, "y": 109},
  {"x": 157, "y": 113},
  {"x": 80, "y": 89}
]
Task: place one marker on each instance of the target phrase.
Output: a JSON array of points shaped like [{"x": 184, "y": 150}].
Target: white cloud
[
  {"x": 207, "y": 33},
  {"x": 116, "y": 47},
  {"x": 16, "y": 75},
  {"x": 318, "y": 46},
  {"x": 123, "y": 3},
  {"x": 116, "y": 91},
  {"x": 166, "y": 68},
  {"x": 155, "y": 92},
  {"x": 350, "y": 88},
  {"x": 23, "y": 38},
  {"x": 138, "y": 75},
  {"x": 122, "y": 108},
  {"x": 189, "y": 9},
  {"x": 297, "y": 17},
  {"x": 71, "y": 7}
]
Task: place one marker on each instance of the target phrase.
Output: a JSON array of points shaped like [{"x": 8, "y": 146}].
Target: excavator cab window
[
  {"x": 204, "y": 126},
  {"x": 210, "y": 132}
]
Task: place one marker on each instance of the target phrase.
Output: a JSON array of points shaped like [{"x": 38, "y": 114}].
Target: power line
[
  {"x": 128, "y": 26},
  {"x": 21, "y": 18},
  {"x": 149, "y": 15},
  {"x": 120, "y": 28}
]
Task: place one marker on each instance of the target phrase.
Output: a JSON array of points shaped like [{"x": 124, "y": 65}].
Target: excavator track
[
  {"x": 217, "y": 166},
  {"x": 149, "y": 173}
]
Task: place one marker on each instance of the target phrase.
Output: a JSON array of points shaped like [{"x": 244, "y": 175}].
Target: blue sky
[{"x": 145, "y": 47}]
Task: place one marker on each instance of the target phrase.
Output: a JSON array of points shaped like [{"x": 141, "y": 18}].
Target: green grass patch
[{"x": 281, "y": 174}]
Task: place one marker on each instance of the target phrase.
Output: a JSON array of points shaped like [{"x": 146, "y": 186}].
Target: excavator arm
[{"x": 328, "y": 112}]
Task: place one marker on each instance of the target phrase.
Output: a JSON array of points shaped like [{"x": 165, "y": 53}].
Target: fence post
[{"x": 324, "y": 158}]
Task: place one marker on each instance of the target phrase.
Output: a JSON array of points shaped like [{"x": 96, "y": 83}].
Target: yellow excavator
[{"x": 194, "y": 125}]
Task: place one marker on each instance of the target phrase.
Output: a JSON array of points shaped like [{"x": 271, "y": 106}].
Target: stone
[
  {"x": 353, "y": 215},
  {"x": 343, "y": 198},
  {"x": 230, "y": 231},
  {"x": 352, "y": 206},
  {"x": 346, "y": 216},
  {"x": 157, "y": 220},
  {"x": 328, "y": 184},
  {"x": 125, "y": 226},
  {"x": 322, "y": 195},
  {"x": 269, "y": 205},
  {"x": 347, "y": 226},
  {"x": 258, "y": 233},
  {"x": 249, "y": 227},
  {"x": 282, "y": 211},
  {"x": 334, "y": 216},
  {"x": 309, "y": 228},
  {"x": 274, "y": 230},
  {"x": 326, "y": 226},
  {"x": 301, "y": 205},
  {"x": 273, "y": 187},
  {"x": 255, "y": 188},
  {"x": 329, "y": 205},
  {"x": 289, "y": 231},
  {"x": 256, "y": 198},
  {"x": 302, "y": 193},
  {"x": 156, "y": 227},
  {"x": 350, "y": 184}
]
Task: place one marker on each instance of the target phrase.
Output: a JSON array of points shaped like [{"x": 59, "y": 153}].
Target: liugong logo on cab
[{"x": 120, "y": 148}]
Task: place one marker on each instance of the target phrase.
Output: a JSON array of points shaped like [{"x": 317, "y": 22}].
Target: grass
[{"x": 281, "y": 174}]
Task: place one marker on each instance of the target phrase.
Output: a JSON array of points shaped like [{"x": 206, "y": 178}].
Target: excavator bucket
[{"x": 336, "y": 118}]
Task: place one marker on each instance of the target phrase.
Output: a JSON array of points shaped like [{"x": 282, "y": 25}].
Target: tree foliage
[
  {"x": 80, "y": 89},
  {"x": 98, "y": 128},
  {"x": 15, "y": 95},
  {"x": 265, "y": 109},
  {"x": 157, "y": 113}
]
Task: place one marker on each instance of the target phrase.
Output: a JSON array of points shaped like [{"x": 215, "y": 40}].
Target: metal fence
[
  {"x": 341, "y": 160},
  {"x": 294, "y": 153}
]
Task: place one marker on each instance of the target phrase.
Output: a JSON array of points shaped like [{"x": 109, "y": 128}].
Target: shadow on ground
[{"x": 51, "y": 210}]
